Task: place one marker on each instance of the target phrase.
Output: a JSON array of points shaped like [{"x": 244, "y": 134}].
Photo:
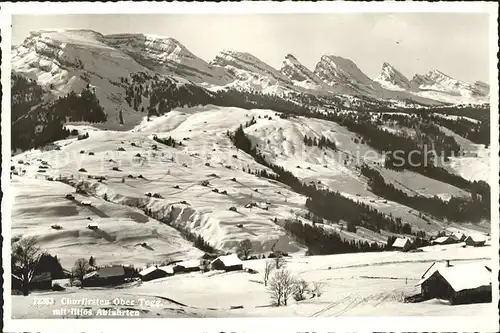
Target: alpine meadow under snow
[{"x": 130, "y": 149}]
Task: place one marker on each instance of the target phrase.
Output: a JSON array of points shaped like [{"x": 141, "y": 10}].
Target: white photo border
[{"x": 274, "y": 325}]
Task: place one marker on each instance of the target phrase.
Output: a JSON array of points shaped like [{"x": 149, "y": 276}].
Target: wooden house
[
  {"x": 187, "y": 266},
  {"x": 104, "y": 277},
  {"x": 155, "y": 272},
  {"x": 475, "y": 240},
  {"x": 402, "y": 244},
  {"x": 444, "y": 240},
  {"x": 227, "y": 263},
  {"x": 461, "y": 284}
]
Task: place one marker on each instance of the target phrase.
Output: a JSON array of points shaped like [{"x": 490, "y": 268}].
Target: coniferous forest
[{"x": 36, "y": 123}]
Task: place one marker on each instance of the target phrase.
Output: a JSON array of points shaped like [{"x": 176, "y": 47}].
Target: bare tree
[
  {"x": 279, "y": 261},
  {"x": 25, "y": 257},
  {"x": 317, "y": 288},
  {"x": 245, "y": 248},
  {"x": 300, "y": 290},
  {"x": 80, "y": 268},
  {"x": 267, "y": 271},
  {"x": 280, "y": 287}
]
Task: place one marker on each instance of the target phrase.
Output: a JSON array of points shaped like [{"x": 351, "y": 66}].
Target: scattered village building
[
  {"x": 104, "y": 276},
  {"x": 475, "y": 240},
  {"x": 402, "y": 244},
  {"x": 461, "y": 284},
  {"x": 93, "y": 226},
  {"x": 187, "y": 266},
  {"x": 444, "y": 240},
  {"x": 458, "y": 236},
  {"x": 227, "y": 263},
  {"x": 155, "y": 272}
]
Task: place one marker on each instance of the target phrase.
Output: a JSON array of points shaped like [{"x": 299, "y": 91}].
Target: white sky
[{"x": 455, "y": 43}]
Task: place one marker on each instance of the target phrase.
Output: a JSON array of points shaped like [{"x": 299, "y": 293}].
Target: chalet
[
  {"x": 187, "y": 266},
  {"x": 458, "y": 236},
  {"x": 444, "y": 240},
  {"x": 475, "y": 240},
  {"x": 155, "y": 272},
  {"x": 104, "y": 277},
  {"x": 227, "y": 263},
  {"x": 402, "y": 244},
  {"x": 461, "y": 284}
]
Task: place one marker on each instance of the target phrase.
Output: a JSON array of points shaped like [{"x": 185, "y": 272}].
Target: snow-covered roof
[
  {"x": 189, "y": 263},
  {"x": 477, "y": 237},
  {"x": 167, "y": 269},
  {"x": 432, "y": 268},
  {"x": 441, "y": 239},
  {"x": 230, "y": 260},
  {"x": 400, "y": 242},
  {"x": 148, "y": 270},
  {"x": 86, "y": 202},
  {"x": 466, "y": 276}
]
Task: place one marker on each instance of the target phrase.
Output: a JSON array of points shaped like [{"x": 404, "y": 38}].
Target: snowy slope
[
  {"x": 40, "y": 204},
  {"x": 361, "y": 284},
  {"x": 207, "y": 151},
  {"x": 67, "y": 60}
]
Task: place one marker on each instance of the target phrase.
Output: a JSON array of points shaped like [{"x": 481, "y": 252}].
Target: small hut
[
  {"x": 444, "y": 240},
  {"x": 402, "y": 244},
  {"x": 458, "y": 236},
  {"x": 227, "y": 263},
  {"x": 155, "y": 272},
  {"x": 475, "y": 240},
  {"x": 187, "y": 266}
]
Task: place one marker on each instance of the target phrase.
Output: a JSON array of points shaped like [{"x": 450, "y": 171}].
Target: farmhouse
[
  {"x": 402, "y": 244},
  {"x": 444, "y": 240},
  {"x": 105, "y": 276},
  {"x": 475, "y": 240},
  {"x": 458, "y": 236},
  {"x": 227, "y": 263},
  {"x": 461, "y": 284},
  {"x": 155, "y": 272},
  {"x": 187, "y": 266}
]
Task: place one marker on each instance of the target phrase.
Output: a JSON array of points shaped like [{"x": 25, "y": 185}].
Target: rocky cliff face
[{"x": 391, "y": 78}]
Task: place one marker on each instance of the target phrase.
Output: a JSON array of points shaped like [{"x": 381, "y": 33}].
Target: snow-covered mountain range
[
  {"x": 67, "y": 60},
  {"x": 434, "y": 85}
]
